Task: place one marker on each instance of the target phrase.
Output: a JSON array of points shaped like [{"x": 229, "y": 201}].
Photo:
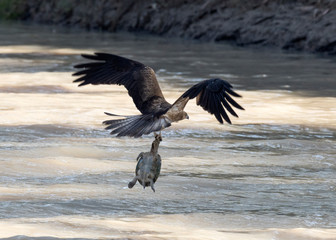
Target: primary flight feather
[{"x": 140, "y": 81}]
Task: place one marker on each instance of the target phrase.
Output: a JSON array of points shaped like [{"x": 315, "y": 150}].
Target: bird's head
[{"x": 185, "y": 115}]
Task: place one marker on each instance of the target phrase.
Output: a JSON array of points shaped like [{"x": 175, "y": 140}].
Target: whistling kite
[{"x": 143, "y": 87}]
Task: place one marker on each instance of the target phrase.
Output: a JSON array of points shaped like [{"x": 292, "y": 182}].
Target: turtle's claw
[
  {"x": 132, "y": 183},
  {"x": 152, "y": 185}
]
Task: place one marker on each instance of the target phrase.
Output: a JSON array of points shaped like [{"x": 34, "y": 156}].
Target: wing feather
[
  {"x": 223, "y": 113},
  {"x": 86, "y": 65},
  {"x": 226, "y": 105},
  {"x": 139, "y": 80},
  {"x": 220, "y": 111},
  {"x": 213, "y": 95},
  {"x": 231, "y": 101},
  {"x": 136, "y": 126}
]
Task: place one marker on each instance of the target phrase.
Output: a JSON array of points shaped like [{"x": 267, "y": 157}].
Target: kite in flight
[{"x": 140, "y": 81}]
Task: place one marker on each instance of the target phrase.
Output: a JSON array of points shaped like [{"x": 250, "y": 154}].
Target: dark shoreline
[{"x": 308, "y": 26}]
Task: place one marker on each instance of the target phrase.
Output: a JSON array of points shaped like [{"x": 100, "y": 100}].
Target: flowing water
[{"x": 269, "y": 175}]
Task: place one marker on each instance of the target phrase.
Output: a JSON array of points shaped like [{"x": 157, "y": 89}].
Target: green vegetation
[{"x": 12, "y": 9}]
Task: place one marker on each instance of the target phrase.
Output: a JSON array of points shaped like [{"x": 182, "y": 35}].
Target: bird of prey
[{"x": 213, "y": 95}]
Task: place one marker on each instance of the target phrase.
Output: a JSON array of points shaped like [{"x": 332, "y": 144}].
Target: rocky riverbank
[{"x": 305, "y": 25}]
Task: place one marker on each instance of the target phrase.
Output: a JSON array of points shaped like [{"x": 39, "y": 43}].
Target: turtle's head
[
  {"x": 156, "y": 143},
  {"x": 158, "y": 137}
]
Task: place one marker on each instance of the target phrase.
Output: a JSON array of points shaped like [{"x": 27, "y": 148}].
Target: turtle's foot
[
  {"x": 132, "y": 183},
  {"x": 152, "y": 185}
]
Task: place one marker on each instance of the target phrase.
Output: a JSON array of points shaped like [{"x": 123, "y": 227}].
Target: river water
[{"x": 269, "y": 175}]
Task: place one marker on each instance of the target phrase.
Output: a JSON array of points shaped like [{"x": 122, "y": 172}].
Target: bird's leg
[
  {"x": 159, "y": 134},
  {"x": 152, "y": 184},
  {"x": 133, "y": 182}
]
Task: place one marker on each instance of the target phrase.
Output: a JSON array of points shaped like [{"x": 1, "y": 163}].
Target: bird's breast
[{"x": 174, "y": 114}]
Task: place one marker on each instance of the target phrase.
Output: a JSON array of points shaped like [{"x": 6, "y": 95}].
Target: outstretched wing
[
  {"x": 139, "y": 80},
  {"x": 214, "y": 96}
]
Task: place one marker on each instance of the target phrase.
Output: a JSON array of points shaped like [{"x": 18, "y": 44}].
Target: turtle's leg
[
  {"x": 140, "y": 156},
  {"x": 152, "y": 185},
  {"x": 143, "y": 182},
  {"x": 133, "y": 182}
]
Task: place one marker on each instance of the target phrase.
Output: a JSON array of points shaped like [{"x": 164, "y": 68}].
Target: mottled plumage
[
  {"x": 140, "y": 81},
  {"x": 148, "y": 169}
]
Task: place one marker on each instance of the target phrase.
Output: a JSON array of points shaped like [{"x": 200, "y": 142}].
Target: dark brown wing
[
  {"x": 139, "y": 80},
  {"x": 214, "y": 96}
]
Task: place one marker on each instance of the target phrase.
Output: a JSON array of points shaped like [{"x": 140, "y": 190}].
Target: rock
[{"x": 307, "y": 25}]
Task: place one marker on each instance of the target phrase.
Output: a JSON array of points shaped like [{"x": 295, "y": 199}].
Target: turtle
[{"x": 148, "y": 168}]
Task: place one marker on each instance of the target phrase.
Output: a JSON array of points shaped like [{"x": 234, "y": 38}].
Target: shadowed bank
[{"x": 306, "y": 25}]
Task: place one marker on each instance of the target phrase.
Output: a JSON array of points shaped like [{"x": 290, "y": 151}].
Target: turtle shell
[{"x": 149, "y": 164}]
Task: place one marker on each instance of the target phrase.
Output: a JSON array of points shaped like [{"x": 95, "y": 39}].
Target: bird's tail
[{"x": 136, "y": 125}]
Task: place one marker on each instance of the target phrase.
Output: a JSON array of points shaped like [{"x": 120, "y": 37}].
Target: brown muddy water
[{"x": 270, "y": 175}]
